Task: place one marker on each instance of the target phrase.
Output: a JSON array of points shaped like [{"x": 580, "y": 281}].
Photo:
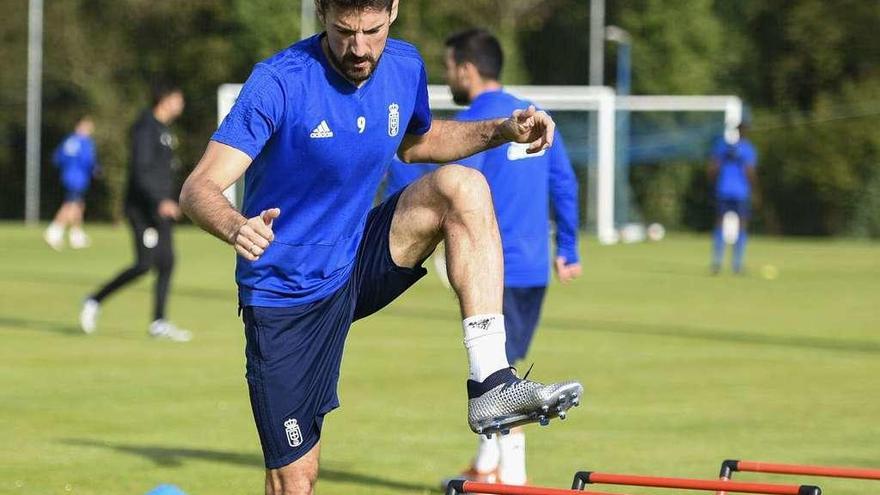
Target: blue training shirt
[
  {"x": 320, "y": 147},
  {"x": 733, "y": 160},
  {"x": 76, "y": 158},
  {"x": 521, "y": 185}
]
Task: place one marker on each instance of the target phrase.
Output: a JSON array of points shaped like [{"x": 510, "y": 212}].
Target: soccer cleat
[
  {"x": 504, "y": 401},
  {"x": 471, "y": 474},
  {"x": 88, "y": 316},
  {"x": 164, "y": 329}
]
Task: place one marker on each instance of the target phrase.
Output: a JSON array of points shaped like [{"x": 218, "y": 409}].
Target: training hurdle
[
  {"x": 583, "y": 478},
  {"x": 729, "y": 467},
  {"x": 458, "y": 487}
]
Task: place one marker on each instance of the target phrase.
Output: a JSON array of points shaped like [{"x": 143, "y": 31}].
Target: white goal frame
[{"x": 599, "y": 99}]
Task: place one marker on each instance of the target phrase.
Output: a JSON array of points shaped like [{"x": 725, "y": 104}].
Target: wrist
[
  {"x": 236, "y": 225},
  {"x": 498, "y": 136},
  {"x": 570, "y": 256}
]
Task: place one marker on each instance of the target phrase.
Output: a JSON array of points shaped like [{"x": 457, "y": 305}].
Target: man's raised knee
[{"x": 457, "y": 183}]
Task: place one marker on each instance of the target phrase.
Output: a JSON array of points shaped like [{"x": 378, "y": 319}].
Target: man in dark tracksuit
[{"x": 150, "y": 211}]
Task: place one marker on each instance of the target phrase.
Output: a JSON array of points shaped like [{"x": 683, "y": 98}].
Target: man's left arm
[
  {"x": 447, "y": 141},
  {"x": 564, "y": 199}
]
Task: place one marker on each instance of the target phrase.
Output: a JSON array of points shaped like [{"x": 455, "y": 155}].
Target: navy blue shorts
[
  {"x": 74, "y": 195},
  {"x": 293, "y": 354},
  {"x": 522, "y": 310},
  {"x": 742, "y": 207}
]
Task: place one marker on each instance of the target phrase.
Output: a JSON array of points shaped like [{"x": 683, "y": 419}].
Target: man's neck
[
  {"x": 159, "y": 115},
  {"x": 484, "y": 87}
]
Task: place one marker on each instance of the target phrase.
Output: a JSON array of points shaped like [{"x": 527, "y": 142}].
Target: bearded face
[{"x": 356, "y": 39}]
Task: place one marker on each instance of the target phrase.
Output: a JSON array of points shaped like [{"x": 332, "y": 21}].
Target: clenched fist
[{"x": 254, "y": 236}]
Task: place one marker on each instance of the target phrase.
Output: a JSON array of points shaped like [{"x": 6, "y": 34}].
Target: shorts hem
[
  {"x": 294, "y": 456},
  {"x": 418, "y": 269}
]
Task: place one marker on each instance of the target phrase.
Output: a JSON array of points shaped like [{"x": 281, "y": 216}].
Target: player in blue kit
[
  {"x": 313, "y": 131},
  {"x": 77, "y": 160},
  {"x": 732, "y": 172},
  {"x": 523, "y": 187}
]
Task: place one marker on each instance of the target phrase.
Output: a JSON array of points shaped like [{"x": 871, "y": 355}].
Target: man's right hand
[
  {"x": 255, "y": 235},
  {"x": 566, "y": 271}
]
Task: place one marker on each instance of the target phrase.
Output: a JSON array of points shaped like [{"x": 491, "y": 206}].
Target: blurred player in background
[
  {"x": 151, "y": 211},
  {"x": 314, "y": 131},
  {"x": 77, "y": 160},
  {"x": 523, "y": 187},
  {"x": 732, "y": 174}
]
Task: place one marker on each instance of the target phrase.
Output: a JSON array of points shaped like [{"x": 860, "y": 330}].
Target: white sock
[
  {"x": 484, "y": 339},
  {"x": 487, "y": 455},
  {"x": 512, "y": 462}
]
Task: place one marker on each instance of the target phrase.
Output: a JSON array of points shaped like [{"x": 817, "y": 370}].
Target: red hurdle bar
[
  {"x": 458, "y": 487},
  {"x": 728, "y": 467},
  {"x": 583, "y": 478}
]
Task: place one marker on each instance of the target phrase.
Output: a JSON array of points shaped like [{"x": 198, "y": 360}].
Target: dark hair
[
  {"x": 159, "y": 90},
  {"x": 480, "y": 48},
  {"x": 323, "y": 5}
]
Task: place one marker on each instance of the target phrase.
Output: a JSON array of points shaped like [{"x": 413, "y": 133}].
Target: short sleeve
[
  {"x": 257, "y": 114},
  {"x": 420, "y": 121}
]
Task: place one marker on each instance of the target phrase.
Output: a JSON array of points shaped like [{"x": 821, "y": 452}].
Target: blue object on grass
[{"x": 166, "y": 490}]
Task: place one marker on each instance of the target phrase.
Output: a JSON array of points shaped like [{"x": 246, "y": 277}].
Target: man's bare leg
[
  {"x": 54, "y": 234},
  {"x": 296, "y": 478},
  {"x": 77, "y": 213},
  {"x": 78, "y": 237},
  {"x": 453, "y": 204}
]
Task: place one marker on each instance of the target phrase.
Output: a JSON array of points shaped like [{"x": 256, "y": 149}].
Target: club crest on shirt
[
  {"x": 393, "y": 119},
  {"x": 294, "y": 434},
  {"x": 168, "y": 140},
  {"x": 71, "y": 147}
]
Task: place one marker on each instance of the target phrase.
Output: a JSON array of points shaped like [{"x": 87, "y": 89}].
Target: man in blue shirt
[
  {"x": 732, "y": 173},
  {"x": 77, "y": 161},
  {"x": 313, "y": 131},
  {"x": 523, "y": 186}
]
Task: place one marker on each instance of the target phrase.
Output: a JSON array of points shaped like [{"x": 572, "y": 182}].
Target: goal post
[
  {"x": 731, "y": 106},
  {"x": 598, "y": 99}
]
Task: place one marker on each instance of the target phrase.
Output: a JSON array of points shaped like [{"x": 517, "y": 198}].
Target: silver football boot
[{"x": 521, "y": 402}]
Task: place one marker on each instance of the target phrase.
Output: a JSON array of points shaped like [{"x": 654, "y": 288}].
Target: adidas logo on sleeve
[{"x": 322, "y": 131}]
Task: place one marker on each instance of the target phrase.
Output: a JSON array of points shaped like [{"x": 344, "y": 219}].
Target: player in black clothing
[{"x": 151, "y": 211}]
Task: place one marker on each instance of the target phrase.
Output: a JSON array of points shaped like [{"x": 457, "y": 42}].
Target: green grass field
[{"x": 681, "y": 371}]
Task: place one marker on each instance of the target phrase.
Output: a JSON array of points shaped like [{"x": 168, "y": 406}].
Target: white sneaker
[
  {"x": 88, "y": 316},
  {"x": 164, "y": 329},
  {"x": 54, "y": 237},
  {"x": 79, "y": 239}
]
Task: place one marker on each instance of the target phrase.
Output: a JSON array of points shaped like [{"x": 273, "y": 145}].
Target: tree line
[{"x": 809, "y": 70}]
